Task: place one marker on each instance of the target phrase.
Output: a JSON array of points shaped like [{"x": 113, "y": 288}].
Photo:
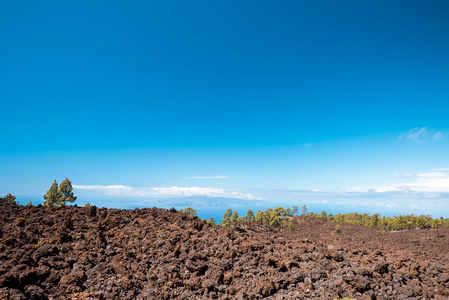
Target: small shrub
[
  {"x": 87, "y": 205},
  {"x": 337, "y": 229},
  {"x": 291, "y": 225}
]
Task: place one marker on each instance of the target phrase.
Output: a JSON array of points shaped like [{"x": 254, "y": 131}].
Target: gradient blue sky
[{"x": 339, "y": 105}]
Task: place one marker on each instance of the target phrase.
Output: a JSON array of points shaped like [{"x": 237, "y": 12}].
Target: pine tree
[
  {"x": 323, "y": 215},
  {"x": 259, "y": 217},
  {"x": 267, "y": 215},
  {"x": 304, "y": 211},
  {"x": 212, "y": 221},
  {"x": 189, "y": 211},
  {"x": 10, "y": 198},
  {"x": 65, "y": 192},
  {"x": 276, "y": 216},
  {"x": 295, "y": 210},
  {"x": 235, "y": 218},
  {"x": 249, "y": 216},
  {"x": 52, "y": 196},
  {"x": 227, "y": 218}
]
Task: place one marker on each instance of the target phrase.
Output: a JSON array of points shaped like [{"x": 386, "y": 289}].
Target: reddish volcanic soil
[{"x": 88, "y": 253}]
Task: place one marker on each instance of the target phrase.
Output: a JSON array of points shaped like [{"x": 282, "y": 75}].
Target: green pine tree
[
  {"x": 65, "y": 192},
  {"x": 304, "y": 211},
  {"x": 10, "y": 198},
  {"x": 295, "y": 210},
  {"x": 52, "y": 196},
  {"x": 249, "y": 216},
  {"x": 259, "y": 217},
  {"x": 276, "y": 216},
  {"x": 227, "y": 218},
  {"x": 235, "y": 218},
  {"x": 212, "y": 221},
  {"x": 189, "y": 211}
]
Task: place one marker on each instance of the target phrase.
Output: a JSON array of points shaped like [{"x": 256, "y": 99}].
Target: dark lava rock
[
  {"x": 44, "y": 251},
  {"x": 90, "y": 253},
  {"x": 34, "y": 292}
]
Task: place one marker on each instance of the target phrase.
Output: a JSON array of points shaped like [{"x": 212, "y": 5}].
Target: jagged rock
[
  {"x": 45, "y": 251},
  {"x": 34, "y": 292},
  {"x": 89, "y": 253}
]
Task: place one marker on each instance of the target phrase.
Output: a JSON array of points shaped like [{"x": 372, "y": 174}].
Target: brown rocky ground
[{"x": 89, "y": 253}]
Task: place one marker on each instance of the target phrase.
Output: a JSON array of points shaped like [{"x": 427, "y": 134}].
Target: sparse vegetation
[
  {"x": 52, "y": 195},
  {"x": 189, "y": 211},
  {"x": 304, "y": 210},
  {"x": 337, "y": 229},
  {"x": 384, "y": 223},
  {"x": 277, "y": 217},
  {"x": 119, "y": 239},
  {"x": 295, "y": 210},
  {"x": 212, "y": 221},
  {"x": 282, "y": 217},
  {"x": 227, "y": 218},
  {"x": 59, "y": 195},
  {"x": 249, "y": 216},
  {"x": 10, "y": 198},
  {"x": 65, "y": 192}
]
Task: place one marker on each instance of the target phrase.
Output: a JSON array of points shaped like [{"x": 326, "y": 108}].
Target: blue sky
[{"x": 338, "y": 105}]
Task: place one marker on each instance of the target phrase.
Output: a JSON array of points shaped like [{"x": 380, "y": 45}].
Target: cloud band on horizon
[
  {"x": 209, "y": 177},
  {"x": 165, "y": 192}
]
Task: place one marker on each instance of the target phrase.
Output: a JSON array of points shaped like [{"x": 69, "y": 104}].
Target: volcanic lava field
[{"x": 72, "y": 252}]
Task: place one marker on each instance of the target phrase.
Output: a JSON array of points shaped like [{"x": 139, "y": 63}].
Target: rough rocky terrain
[{"x": 89, "y": 253}]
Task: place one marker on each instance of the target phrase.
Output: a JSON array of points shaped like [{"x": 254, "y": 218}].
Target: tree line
[
  {"x": 272, "y": 217},
  {"x": 56, "y": 195},
  {"x": 63, "y": 193},
  {"x": 283, "y": 217},
  {"x": 401, "y": 222}
]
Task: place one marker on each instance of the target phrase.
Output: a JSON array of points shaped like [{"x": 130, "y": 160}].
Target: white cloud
[
  {"x": 165, "y": 192},
  {"x": 419, "y": 135},
  {"x": 408, "y": 175},
  {"x": 433, "y": 174},
  {"x": 428, "y": 184},
  {"x": 308, "y": 145},
  {"x": 209, "y": 177},
  {"x": 438, "y": 135}
]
